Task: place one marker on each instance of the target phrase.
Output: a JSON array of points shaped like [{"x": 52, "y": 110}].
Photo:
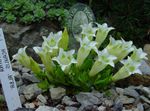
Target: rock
[
  {"x": 125, "y": 100},
  {"x": 29, "y": 105},
  {"x": 20, "y": 35},
  {"x": 31, "y": 91},
  {"x": 25, "y": 109},
  {"x": 101, "y": 108},
  {"x": 86, "y": 99},
  {"x": 18, "y": 78},
  {"x": 131, "y": 92},
  {"x": 127, "y": 109},
  {"x": 119, "y": 90},
  {"x": 46, "y": 108},
  {"x": 135, "y": 109},
  {"x": 135, "y": 80},
  {"x": 22, "y": 99},
  {"x": 147, "y": 91},
  {"x": 145, "y": 68},
  {"x": 117, "y": 107},
  {"x": 21, "y": 89},
  {"x": 70, "y": 108},
  {"x": 67, "y": 101},
  {"x": 145, "y": 99},
  {"x": 41, "y": 98},
  {"x": 146, "y": 105},
  {"x": 30, "y": 77},
  {"x": 16, "y": 66},
  {"x": 147, "y": 109},
  {"x": 111, "y": 94},
  {"x": 57, "y": 93},
  {"x": 140, "y": 107},
  {"x": 44, "y": 31},
  {"x": 90, "y": 108},
  {"x": 60, "y": 107},
  {"x": 144, "y": 90},
  {"x": 17, "y": 75},
  {"x": 13, "y": 34},
  {"x": 108, "y": 103},
  {"x": 97, "y": 94},
  {"x": 19, "y": 82},
  {"x": 25, "y": 70}
]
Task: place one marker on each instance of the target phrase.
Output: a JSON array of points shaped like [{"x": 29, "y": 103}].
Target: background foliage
[
  {"x": 131, "y": 18},
  {"x": 29, "y": 11}
]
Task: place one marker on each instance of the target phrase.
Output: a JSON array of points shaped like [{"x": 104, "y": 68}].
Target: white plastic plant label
[{"x": 7, "y": 77}]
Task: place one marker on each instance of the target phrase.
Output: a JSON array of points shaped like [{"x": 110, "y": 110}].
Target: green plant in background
[
  {"x": 87, "y": 68},
  {"x": 59, "y": 14},
  {"x": 28, "y": 18},
  {"x": 29, "y": 11},
  {"x": 10, "y": 18}
]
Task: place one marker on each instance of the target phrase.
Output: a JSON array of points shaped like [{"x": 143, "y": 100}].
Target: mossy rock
[{"x": 136, "y": 80}]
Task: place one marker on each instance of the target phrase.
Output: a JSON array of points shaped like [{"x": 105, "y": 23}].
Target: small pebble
[
  {"x": 41, "y": 98},
  {"x": 25, "y": 70},
  {"x": 70, "y": 108},
  {"x": 140, "y": 107},
  {"x": 101, "y": 108},
  {"x": 29, "y": 105},
  {"x": 145, "y": 99}
]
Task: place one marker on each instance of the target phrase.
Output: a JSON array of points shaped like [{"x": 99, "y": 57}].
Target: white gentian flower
[
  {"x": 119, "y": 48},
  {"x": 86, "y": 46},
  {"x": 51, "y": 42},
  {"x": 45, "y": 57},
  {"x": 130, "y": 67},
  {"x": 88, "y": 30},
  {"x": 126, "y": 49},
  {"x": 102, "y": 33},
  {"x": 104, "y": 59},
  {"x": 27, "y": 61},
  {"x": 22, "y": 57},
  {"x": 138, "y": 54},
  {"x": 113, "y": 44},
  {"x": 38, "y": 50},
  {"x": 65, "y": 59}
]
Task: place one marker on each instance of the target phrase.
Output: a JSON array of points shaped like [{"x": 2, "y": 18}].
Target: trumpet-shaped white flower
[
  {"x": 27, "y": 61},
  {"x": 105, "y": 27},
  {"x": 51, "y": 42},
  {"x": 38, "y": 50},
  {"x": 104, "y": 59},
  {"x": 45, "y": 57},
  {"x": 102, "y": 33},
  {"x": 22, "y": 57},
  {"x": 86, "y": 46},
  {"x": 65, "y": 59},
  {"x": 88, "y": 30},
  {"x": 119, "y": 48},
  {"x": 130, "y": 67},
  {"x": 138, "y": 54}
]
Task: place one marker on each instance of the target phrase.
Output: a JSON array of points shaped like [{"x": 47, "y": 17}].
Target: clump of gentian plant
[{"x": 89, "y": 67}]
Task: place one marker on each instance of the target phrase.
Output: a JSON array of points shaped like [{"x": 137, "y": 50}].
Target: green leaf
[
  {"x": 44, "y": 85},
  {"x": 87, "y": 64},
  {"x": 10, "y": 18},
  {"x": 64, "y": 40},
  {"x": 28, "y": 18},
  {"x": 34, "y": 66}
]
